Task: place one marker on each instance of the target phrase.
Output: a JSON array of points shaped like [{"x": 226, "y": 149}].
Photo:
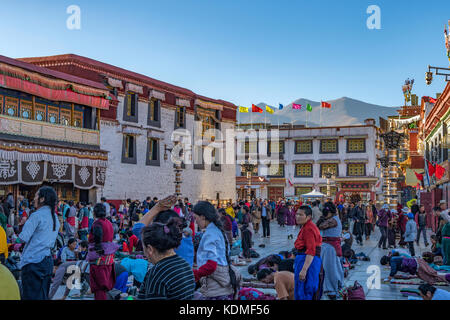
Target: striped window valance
[
  {"x": 208, "y": 105},
  {"x": 157, "y": 95},
  {"x": 134, "y": 88},
  {"x": 115, "y": 83},
  {"x": 182, "y": 102}
]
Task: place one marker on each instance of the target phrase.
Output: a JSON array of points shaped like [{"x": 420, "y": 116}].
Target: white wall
[{"x": 137, "y": 181}]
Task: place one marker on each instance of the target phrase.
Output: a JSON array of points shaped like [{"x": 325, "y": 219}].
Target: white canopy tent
[{"x": 313, "y": 194}]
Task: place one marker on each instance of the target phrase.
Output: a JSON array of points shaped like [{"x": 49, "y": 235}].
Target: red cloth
[
  {"x": 71, "y": 221},
  {"x": 133, "y": 240},
  {"x": 336, "y": 243},
  {"x": 256, "y": 109},
  {"x": 101, "y": 280},
  {"x": 192, "y": 226},
  {"x": 125, "y": 247},
  {"x": 84, "y": 223},
  {"x": 308, "y": 238},
  {"x": 326, "y": 105},
  {"x": 108, "y": 231},
  {"x": 418, "y": 176},
  {"x": 431, "y": 168},
  {"x": 440, "y": 171},
  {"x": 205, "y": 270}
]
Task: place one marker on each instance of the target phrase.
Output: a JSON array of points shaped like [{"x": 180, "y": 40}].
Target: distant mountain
[{"x": 344, "y": 111}]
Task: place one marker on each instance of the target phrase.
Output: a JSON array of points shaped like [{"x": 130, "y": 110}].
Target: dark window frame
[
  {"x": 156, "y": 109},
  {"x": 151, "y": 162},
  {"x": 176, "y": 126},
  {"x": 126, "y": 117},
  {"x": 284, "y": 172},
  {"x": 321, "y": 169},
  {"x": 132, "y": 160},
  {"x": 269, "y": 153},
  {"x": 348, "y": 145},
  {"x": 298, "y": 141},
  {"x": 308, "y": 176},
  {"x": 365, "y": 169},
  {"x": 333, "y": 152}
]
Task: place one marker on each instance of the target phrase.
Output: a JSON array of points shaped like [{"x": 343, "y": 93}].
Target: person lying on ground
[{"x": 413, "y": 266}]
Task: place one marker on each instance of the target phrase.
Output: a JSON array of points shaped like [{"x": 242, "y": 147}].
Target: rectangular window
[
  {"x": 65, "y": 117},
  {"x": 276, "y": 170},
  {"x": 215, "y": 155},
  {"x": 329, "y": 167},
  {"x": 129, "y": 149},
  {"x": 356, "y": 169},
  {"x": 333, "y": 190},
  {"x": 78, "y": 119},
  {"x": 276, "y": 147},
  {"x": 329, "y": 146},
  {"x": 198, "y": 158},
  {"x": 180, "y": 117},
  {"x": 251, "y": 147},
  {"x": 53, "y": 115},
  {"x": 302, "y": 190},
  {"x": 356, "y": 145},
  {"x": 1, "y": 104},
  {"x": 152, "y": 152},
  {"x": 131, "y": 104},
  {"x": 303, "y": 147},
  {"x": 12, "y": 106},
  {"x": 304, "y": 170},
  {"x": 40, "y": 112},
  {"x": 130, "y": 111},
  {"x": 26, "y": 108},
  {"x": 154, "y": 113}
]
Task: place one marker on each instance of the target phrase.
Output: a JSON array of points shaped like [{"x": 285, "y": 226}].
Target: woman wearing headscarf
[
  {"x": 100, "y": 255},
  {"x": 383, "y": 219},
  {"x": 218, "y": 279},
  {"x": 308, "y": 264}
]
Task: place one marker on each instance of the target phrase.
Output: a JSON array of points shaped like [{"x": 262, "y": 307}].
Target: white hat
[
  {"x": 405, "y": 210},
  {"x": 442, "y": 202}
]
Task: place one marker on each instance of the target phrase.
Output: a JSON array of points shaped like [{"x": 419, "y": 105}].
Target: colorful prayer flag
[
  {"x": 269, "y": 110},
  {"x": 432, "y": 100},
  {"x": 243, "y": 109},
  {"x": 296, "y": 106},
  {"x": 308, "y": 107},
  {"x": 256, "y": 109},
  {"x": 326, "y": 105},
  {"x": 281, "y": 107}
]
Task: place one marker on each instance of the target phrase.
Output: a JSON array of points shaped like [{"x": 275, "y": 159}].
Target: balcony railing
[{"x": 44, "y": 130}]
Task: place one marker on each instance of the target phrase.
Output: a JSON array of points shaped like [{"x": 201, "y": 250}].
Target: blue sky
[{"x": 246, "y": 51}]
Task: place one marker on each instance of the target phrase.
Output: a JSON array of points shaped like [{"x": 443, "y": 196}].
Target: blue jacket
[{"x": 411, "y": 231}]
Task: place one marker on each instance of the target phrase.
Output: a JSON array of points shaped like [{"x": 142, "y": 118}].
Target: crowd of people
[{"x": 172, "y": 249}]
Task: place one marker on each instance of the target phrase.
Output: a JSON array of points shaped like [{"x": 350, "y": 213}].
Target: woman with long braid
[
  {"x": 218, "y": 279},
  {"x": 39, "y": 233}
]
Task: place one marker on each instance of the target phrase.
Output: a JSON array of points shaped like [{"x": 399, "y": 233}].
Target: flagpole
[{"x": 320, "y": 117}]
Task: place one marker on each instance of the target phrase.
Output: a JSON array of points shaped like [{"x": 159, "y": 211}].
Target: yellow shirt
[
  {"x": 9, "y": 290},
  {"x": 3, "y": 243},
  {"x": 230, "y": 211}
]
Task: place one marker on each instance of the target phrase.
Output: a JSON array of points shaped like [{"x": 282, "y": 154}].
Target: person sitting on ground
[
  {"x": 83, "y": 250},
  {"x": 68, "y": 253},
  {"x": 283, "y": 280},
  {"x": 428, "y": 292}
]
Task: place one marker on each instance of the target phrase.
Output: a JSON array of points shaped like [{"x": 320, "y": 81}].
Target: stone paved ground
[{"x": 279, "y": 242}]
